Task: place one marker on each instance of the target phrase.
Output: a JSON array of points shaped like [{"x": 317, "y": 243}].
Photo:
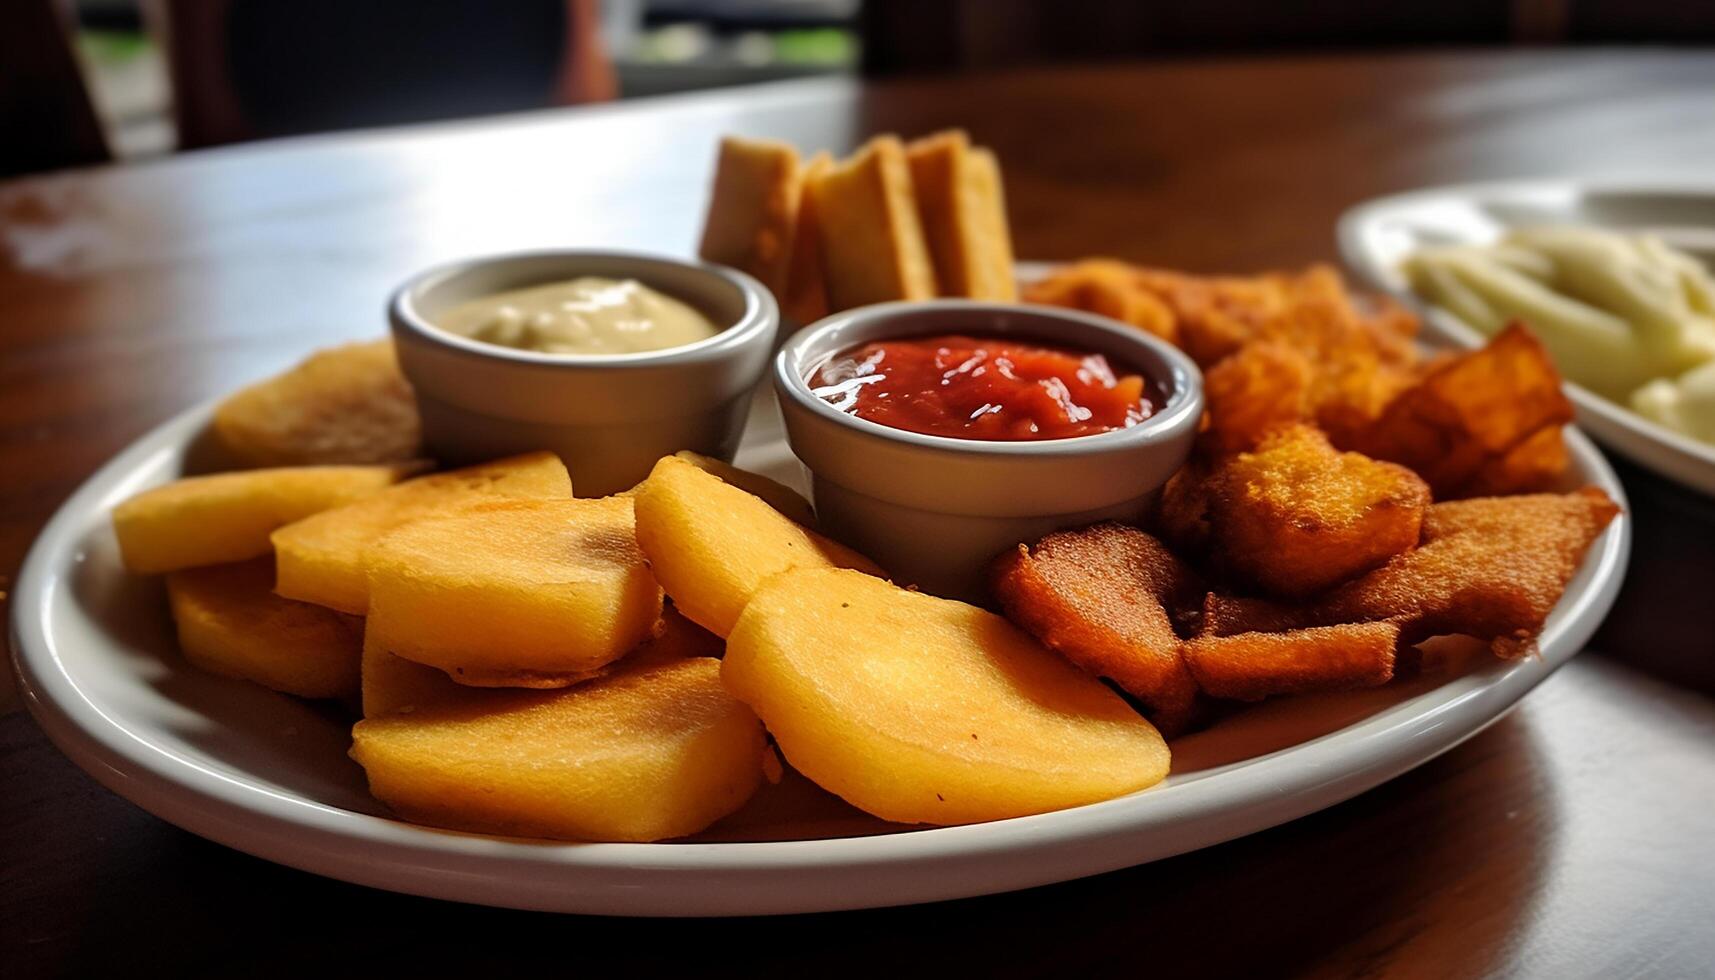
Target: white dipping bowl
[
  {"x": 609, "y": 416},
  {"x": 935, "y": 510}
]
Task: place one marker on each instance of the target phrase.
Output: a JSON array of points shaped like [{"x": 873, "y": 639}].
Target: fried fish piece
[
  {"x": 1490, "y": 567},
  {"x": 872, "y": 243},
  {"x": 1102, "y": 597},
  {"x": 1253, "y": 666},
  {"x": 754, "y": 208},
  {"x": 960, "y": 203},
  {"x": 1469, "y": 410},
  {"x": 1296, "y": 516},
  {"x": 347, "y": 404}
]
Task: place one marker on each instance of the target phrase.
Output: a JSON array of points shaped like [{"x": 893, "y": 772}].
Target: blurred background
[{"x": 91, "y": 81}]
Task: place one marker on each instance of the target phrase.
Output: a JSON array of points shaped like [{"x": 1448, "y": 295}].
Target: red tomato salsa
[{"x": 983, "y": 388}]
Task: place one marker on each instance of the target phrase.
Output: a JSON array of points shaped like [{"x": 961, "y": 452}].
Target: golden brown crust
[
  {"x": 1101, "y": 598},
  {"x": 1470, "y": 410},
  {"x": 959, "y": 201},
  {"x": 1253, "y": 666}
]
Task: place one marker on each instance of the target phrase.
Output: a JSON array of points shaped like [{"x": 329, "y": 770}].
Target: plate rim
[
  {"x": 747, "y": 878},
  {"x": 1687, "y": 462}
]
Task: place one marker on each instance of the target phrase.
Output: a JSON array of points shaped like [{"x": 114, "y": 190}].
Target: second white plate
[{"x": 1376, "y": 236}]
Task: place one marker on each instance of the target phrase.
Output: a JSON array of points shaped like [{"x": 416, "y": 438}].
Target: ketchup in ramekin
[{"x": 989, "y": 388}]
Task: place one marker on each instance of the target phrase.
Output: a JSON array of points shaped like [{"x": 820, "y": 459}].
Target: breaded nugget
[
  {"x": 1296, "y": 516},
  {"x": 1469, "y": 410},
  {"x": 1106, "y": 287},
  {"x": 1102, "y": 597},
  {"x": 347, "y": 404},
  {"x": 1253, "y": 666},
  {"x": 1490, "y": 567},
  {"x": 1263, "y": 387}
]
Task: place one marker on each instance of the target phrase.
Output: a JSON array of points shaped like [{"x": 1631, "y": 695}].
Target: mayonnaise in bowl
[{"x": 585, "y": 316}]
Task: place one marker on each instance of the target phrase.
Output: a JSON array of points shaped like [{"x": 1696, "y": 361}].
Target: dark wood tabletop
[{"x": 1573, "y": 838}]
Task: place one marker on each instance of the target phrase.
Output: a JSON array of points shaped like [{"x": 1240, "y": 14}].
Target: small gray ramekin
[
  {"x": 934, "y": 510},
  {"x": 609, "y": 417}
]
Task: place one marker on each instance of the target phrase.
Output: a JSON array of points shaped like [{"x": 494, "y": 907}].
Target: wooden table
[{"x": 1571, "y": 839}]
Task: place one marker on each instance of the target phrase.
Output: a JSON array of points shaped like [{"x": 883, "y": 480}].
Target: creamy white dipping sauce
[{"x": 588, "y": 315}]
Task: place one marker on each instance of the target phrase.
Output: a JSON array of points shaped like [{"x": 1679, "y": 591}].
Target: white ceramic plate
[
  {"x": 268, "y": 774},
  {"x": 1376, "y": 236}
]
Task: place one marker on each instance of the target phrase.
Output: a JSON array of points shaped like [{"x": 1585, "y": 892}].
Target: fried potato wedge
[
  {"x": 926, "y": 710},
  {"x": 391, "y": 683},
  {"x": 1470, "y": 410},
  {"x": 515, "y": 593},
  {"x": 1103, "y": 597},
  {"x": 1490, "y": 567},
  {"x": 1297, "y": 516},
  {"x": 754, "y": 208},
  {"x": 347, "y": 404},
  {"x": 872, "y": 242},
  {"x": 712, "y": 545},
  {"x": 963, "y": 212},
  {"x": 1531, "y": 466},
  {"x": 231, "y": 623},
  {"x": 1253, "y": 666},
  {"x": 642, "y": 755},
  {"x": 775, "y": 494},
  {"x": 323, "y": 559},
  {"x": 228, "y": 517}
]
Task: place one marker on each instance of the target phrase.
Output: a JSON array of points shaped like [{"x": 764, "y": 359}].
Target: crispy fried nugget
[
  {"x": 1532, "y": 466},
  {"x": 1106, "y": 287},
  {"x": 346, "y": 404},
  {"x": 1102, "y": 597},
  {"x": 1470, "y": 410},
  {"x": 1253, "y": 666},
  {"x": 1296, "y": 516},
  {"x": 1490, "y": 567},
  {"x": 1263, "y": 387}
]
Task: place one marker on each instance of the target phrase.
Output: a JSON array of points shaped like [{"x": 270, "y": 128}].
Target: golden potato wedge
[
  {"x": 322, "y": 559},
  {"x": 775, "y": 494},
  {"x": 872, "y": 242},
  {"x": 231, "y": 623},
  {"x": 227, "y": 517},
  {"x": 963, "y": 212},
  {"x": 926, "y": 710},
  {"x": 515, "y": 593},
  {"x": 346, "y": 404},
  {"x": 1296, "y": 516},
  {"x": 392, "y": 683},
  {"x": 754, "y": 208},
  {"x": 712, "y": 545},
  {"x": 657, "y": 752}
]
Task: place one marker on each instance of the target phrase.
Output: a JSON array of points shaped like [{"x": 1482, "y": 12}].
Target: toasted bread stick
[{"x": 872, "y": 242}]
